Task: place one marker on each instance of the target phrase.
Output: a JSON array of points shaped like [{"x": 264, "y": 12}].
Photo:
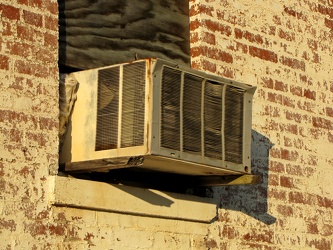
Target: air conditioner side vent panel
[
  {"x": 133, "y": 104},
  {"x": 107, "y": 109}
]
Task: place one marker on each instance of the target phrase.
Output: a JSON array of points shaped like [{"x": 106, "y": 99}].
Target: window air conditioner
[{"x": 158, "y": 115}]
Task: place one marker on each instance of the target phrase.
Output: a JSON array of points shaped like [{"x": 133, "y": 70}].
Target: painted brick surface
[{"x": 282, "y": 47}]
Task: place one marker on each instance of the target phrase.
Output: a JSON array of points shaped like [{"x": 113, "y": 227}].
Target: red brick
[
  {"x": 325, "y": 202},
  {"x": 319, "y": 122},
  {"x": 195, "y": 25},
  {"x": 39, "y": 138},
  {"x": 286, "y": 182},
  {"x": 25, "y": 33},
  {"x": 285, "y": 210},
  {"x": 257, "y": 236},
  {"x": 296, "y": 90},
  {"x": 310, "y": 94},
  {"x": 273, "y": 180},
  {"x": 4, "y": 62},
  {"x": 307, "y": 106},
  {"x": 29, "y": 68},
  {"x": 201, "y": 9},
  {"x": 209, "y": 66},
  {"x": 327, "y": 11},
  {"x": 52, "y": 7},
  {"x": 276, "y": 167},
  {"x": 287, "y": 142},
  {"x": 17, "y": 117},
  {"x": 239, "y": 34},
  {"x": 289, "y": 102},
  {"x": 329, "y": 23},
  {"x": 6, "y": 29},
  {"x": 267, "y": 82},
  {"x": 294, "y": 170},
  {"x": 272, "y": 97},
  {"x": 280, "y": 86},
  {"x": 290, "y": 11},
  {"x": 216, "y": 26},
  {"x": 263, "y": 54},
  {"x": 51, "y": 40},
  {"x": 51, "y": 23},
  {"x": 329, "y": 111},
  {"x": 45, "y": 55},
  {"x": 9, "y": 12},
  {"x": 32, "y": 18},
  {"x": 287, "y": 35},
  {"x": 32, "y": 3},
  {"x": 226, "y": 72},
  {"x": 322, "y": 244},
  {"x": 20, "y": 49},
  {"x": 289, "y": 155},
  {"x": 312, "y": 44},
  {"x": 48, "y": 123},
  {"x": 194, "y": 37},
  {"x": 277, "y": 194},
  {"x": 209, "y": 38},
  {"x": 237, "y": 46},
  {"x": 292, "y": 63}
]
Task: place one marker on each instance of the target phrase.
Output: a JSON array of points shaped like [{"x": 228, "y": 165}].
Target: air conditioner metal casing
[{"x": 157, "y": 115}]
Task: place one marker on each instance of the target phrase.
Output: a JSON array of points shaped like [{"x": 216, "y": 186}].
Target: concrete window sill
[{"x": 71, "y": 192}]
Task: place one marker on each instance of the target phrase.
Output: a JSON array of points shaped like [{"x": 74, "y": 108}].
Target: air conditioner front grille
[
  {"x": 191, "y": 111},
  {"x": 213, "y": 119},
  {"x": 133, "y": 104},
  {"x": 107, "y": 109},
  {"x": 233, "y": 125},
  {"x": 170, "y": 108},
  {"x": 201, "y": 116}
]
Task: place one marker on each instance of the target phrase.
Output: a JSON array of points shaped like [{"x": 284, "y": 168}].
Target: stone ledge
[{"x": 99, "y": 196}]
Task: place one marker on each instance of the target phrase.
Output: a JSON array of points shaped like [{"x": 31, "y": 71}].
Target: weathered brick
[
  {"x": 51, "y": 22},
  {"x": 263, "y": 54},
  {"x": 4, "y": 62},
  {"x": 278, "y": 85},
  {"x": 254, "y": 38},
  {"x": 209, "y": 38},
  {"x": 285, "y": 210},
  {"x": 217, "y": 27},
  {"x": 201, "y": 9},
  {"x": 310, "y": 94},
  {"x": 319, "y": 122},
  {"x": 293, "y": 63},
  {"x": 296, "y": 90},
  {"x": 29, "y": 68},
  {"x": 286, "y": 182},
  {"x": 255, "y": 235},
  {"x": 10, "y": 12},
  {"x": 329, "y": 23},
  {"x": 32, "y": 3},
  {"x": 32, "y": 18},
  {"x": 286, "y": 35}
]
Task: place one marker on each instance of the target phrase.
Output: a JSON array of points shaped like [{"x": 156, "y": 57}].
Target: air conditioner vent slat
[
  {"x": 133, "y": 105},
  {"x": 107, "y": 109},
  {"x": 170, "y": 109},
  {"x": 192, "y": 114},
  {"x": 213, "y": 119},
  {"x": 233, "y": 127}
]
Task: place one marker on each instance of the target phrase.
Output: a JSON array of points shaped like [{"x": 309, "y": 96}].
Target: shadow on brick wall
[{"x": 251, "y": 199}]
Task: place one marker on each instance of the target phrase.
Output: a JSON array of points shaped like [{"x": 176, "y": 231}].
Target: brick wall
[
  {"x": 284, "y": 48},
  {"x": 28, "y": 118}
]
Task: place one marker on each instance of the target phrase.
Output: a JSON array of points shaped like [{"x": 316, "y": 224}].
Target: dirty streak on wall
[
  {"x": 28, "y": 119},
  {"x": 285, "y": 48}
]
